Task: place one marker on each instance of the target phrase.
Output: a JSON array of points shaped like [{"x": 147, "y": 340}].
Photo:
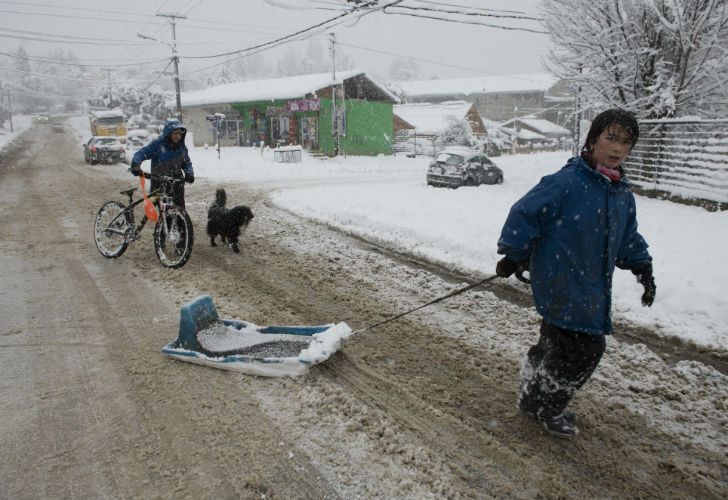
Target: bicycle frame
[{"x": 160, "y": 197}]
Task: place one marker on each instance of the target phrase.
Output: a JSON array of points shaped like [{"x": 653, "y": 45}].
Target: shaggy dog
[{"x": 226, "y": 222}]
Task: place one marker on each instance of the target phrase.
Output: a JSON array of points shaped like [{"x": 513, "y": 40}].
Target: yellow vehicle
[{"x": 108, "y": 122}]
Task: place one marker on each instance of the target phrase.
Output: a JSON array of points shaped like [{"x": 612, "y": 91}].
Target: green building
[{"x": 296, "y": 110}]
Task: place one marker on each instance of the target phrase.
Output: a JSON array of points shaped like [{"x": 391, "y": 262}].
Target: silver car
[{"x": 458, "y": 167}]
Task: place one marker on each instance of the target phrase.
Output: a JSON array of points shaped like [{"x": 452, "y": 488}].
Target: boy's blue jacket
[
  {"x": 574, "y": 227},
  {"x": 166, "y": 158}
]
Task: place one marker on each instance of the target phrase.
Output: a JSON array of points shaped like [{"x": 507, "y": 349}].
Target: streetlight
[{"x": 175, "y": 59}]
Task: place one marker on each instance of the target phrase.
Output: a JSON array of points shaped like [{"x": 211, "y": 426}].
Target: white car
[
  {"x": 454, "y": 167},
  {"x": 138, "y": 138}
]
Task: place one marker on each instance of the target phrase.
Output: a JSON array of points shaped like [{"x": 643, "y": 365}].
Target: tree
[
  {"x": 657, "y": 58},
  {"x": 403, "y": 69},
  {"x": 226, "y": 73},
  {"x": 458, "y": 132}
]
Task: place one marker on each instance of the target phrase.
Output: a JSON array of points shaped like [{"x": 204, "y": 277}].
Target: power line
[
  {"x": 477, "y": 70},
  {"x": 263, "y": 47},
  {"x": 59, "y": 61},
  {"x": 487, "y": 13},
  {"x": 72, "y": 42},
  {"x": 66, "y": 37},
  {"x": 297, "y": 33},
  {"x": 85, "y": 80},
  {"x": 460, "y": 21},
  {"x": 485, "y": 9}
]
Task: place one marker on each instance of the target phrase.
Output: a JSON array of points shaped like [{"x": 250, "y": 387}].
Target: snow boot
[
  {"x": 569, "y": 415},
  {"x": 559, "y": 426}
]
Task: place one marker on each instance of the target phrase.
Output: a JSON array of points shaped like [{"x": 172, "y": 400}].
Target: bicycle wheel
[
  {"x": 173, "y": 237},
  {"x": 111, "y": 229}
]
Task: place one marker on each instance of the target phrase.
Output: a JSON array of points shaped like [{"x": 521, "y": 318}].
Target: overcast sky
[{"x": 215, "y": 26}]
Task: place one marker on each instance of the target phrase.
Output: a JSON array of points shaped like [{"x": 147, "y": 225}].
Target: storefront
[{"x": 361, "y": 109}]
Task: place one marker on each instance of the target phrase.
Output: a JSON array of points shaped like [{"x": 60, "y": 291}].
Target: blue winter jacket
[
  {"x": 574, "y": 227},
  {"x": 167, "y": 158}
]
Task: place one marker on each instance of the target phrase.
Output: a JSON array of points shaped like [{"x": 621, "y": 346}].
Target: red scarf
[{"x": 612, "y": 174}]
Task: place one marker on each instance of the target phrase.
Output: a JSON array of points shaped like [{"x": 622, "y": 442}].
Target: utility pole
[
  {"x": 108, "y": 80},
  {"x": 10, "y": 110},
  {"x": 334, "y": 111},
  {"x": 173, "y": 21}
]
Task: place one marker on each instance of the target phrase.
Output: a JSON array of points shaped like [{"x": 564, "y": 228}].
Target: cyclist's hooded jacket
[
  {"x": 167, "y": 158},
  {"x": 574, "y": 227}
]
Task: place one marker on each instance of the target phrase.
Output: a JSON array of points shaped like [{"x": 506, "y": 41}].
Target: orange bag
[{"x": 149, "y": 207}]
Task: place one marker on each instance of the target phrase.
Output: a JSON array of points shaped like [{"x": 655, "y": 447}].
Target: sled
[{"x": 241, "y": 346}]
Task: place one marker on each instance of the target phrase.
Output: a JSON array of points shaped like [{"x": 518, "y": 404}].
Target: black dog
[{"x": 226, "y": 222}]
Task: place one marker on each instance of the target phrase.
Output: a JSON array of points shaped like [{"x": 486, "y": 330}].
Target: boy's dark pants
[
  {"x": 178, "y": 192},
  {"x": 559, "y": 364}
]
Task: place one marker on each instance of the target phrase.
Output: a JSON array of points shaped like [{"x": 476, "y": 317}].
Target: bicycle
[{"x": 115, "y": 229}]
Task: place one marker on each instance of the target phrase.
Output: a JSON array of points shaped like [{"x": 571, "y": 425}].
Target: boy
[{"x": 570, "y": 231}]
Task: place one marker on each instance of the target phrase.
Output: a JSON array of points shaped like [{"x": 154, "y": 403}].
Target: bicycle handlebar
[{"x": 167, "y": 178}]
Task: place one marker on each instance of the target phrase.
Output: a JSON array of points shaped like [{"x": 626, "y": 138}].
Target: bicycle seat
[{"x": 128, "y": 192}]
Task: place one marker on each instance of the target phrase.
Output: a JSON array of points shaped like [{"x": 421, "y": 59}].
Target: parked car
[
  {"x": 455, "y": 167},
  {"x": 104, "y": 149},
  {"x": 138, "y": 138},
  {"x": 57, "y": 127}
]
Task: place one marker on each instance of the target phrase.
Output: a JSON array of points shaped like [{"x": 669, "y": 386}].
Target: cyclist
[{"x": 169, "y": 157}]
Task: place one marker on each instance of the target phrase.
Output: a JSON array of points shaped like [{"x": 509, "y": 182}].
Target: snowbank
[
  {"x": 21, "y": 123},
  {"x": 385, "y": 199}
]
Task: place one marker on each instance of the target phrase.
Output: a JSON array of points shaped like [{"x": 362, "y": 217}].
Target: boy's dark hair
[{"x": 606, "y": 119}]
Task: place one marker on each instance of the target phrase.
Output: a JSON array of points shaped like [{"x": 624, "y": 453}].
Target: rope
[{"x": 440, "y": 299}]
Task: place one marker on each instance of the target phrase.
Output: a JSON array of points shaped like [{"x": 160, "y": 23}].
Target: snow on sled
[{"x": 271, "y": 351}]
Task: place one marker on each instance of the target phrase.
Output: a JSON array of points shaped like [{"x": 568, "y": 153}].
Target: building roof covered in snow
[
  {"x": 523, "y": 134},
  {"x": 538, "y": 125},
  {"x": 430, "y": 118},
  {"x": 528, "y": 82},
  {"x": 291, "y": 87}
]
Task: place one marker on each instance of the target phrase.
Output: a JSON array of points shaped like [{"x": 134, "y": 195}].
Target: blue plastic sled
[{"x": 199, "y": 320}]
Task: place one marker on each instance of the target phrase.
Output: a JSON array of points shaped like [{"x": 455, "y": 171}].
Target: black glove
[
  {"x": 506, "y": 267},
  {"x": 647, "y": 280},
  {"x": 136, "y": 170},
  {"x": 189, "y": 178}
]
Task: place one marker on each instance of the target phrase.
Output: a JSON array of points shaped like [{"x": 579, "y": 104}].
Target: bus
[{"x": 108, "y": 122}]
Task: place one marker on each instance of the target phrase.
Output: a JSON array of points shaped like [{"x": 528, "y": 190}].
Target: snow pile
[
  {"x": 326, "y": 343},
  {"x": 21, "y": 123}
]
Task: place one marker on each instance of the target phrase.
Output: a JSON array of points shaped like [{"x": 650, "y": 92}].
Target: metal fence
[
  {"x": 685, "y": 161},
  {"x": 412, "y": 143}
]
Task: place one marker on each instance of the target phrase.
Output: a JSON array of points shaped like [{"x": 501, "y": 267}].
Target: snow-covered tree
[
  {"x": 395, "y": 88},
  {"x": 458, "y": 132},
  {"x": 289, "y": 64},
  {"x": 225, "y": 73},
  {"x": 403, "y": 69},
  {"x": 658, "y": 58},
  {"x": 133, "y": 99}
]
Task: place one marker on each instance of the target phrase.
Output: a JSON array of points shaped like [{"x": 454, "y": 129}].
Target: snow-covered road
[{"x": 420, "y": 408}]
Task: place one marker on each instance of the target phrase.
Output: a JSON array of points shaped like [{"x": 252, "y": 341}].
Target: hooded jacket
[
  {"x": 574, "y": 227},
  {"x": 167, "y": 158}
]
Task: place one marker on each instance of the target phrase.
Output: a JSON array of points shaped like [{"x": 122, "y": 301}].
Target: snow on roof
[
  {"x": 107, "y": 113},
  {"x": 291, "y": 87},
  {"x": 523, "y": 134},
  {"x": 431, "y": 118},
  {"x": 486, "y": 84},
  {"x": 540, "y": 125}
]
